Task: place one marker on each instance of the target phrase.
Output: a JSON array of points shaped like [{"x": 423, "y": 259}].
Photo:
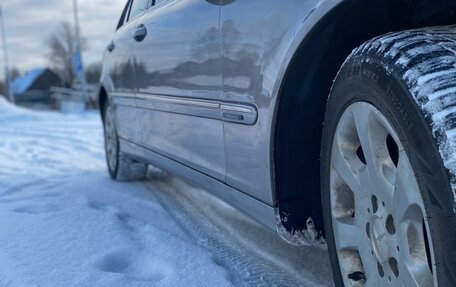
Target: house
[{"x": 33, "y": 88}]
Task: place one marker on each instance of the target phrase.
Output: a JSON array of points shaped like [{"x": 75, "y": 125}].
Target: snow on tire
[{"x": 389, "y": 162}]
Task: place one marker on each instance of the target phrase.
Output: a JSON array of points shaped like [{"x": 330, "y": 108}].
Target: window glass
[
  {"x": 137, "y": 8},
  {"x": 158, "y": 1},
  {"x": 124, "y": 15}
]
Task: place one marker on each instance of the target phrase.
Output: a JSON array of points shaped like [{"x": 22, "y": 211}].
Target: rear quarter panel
[{"x": 259, "y": 40}]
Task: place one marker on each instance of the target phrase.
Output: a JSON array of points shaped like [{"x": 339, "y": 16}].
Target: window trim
[{"x": 124, "y": 16}]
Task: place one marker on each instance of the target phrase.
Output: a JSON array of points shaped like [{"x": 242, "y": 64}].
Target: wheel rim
[
  {"x": 378, "y": 215},
  {"x": 111, "y": 142}
]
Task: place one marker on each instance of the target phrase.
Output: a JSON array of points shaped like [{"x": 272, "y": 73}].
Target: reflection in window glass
[
  {"x": 137, "y": 8},
  {"x": 158, "y": 1}
]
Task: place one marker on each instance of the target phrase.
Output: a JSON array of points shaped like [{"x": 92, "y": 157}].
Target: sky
[{"x": 29, "y": 23}]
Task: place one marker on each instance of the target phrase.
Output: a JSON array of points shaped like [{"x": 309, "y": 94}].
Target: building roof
[{"x": 23, "y": 83}]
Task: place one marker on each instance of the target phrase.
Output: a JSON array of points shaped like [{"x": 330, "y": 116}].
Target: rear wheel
[
  {"x": 390, "y": 216},
  {"x": 120, "y": 166}
]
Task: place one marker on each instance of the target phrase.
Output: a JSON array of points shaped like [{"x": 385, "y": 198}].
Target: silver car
[{"x": 329, "y": 121}]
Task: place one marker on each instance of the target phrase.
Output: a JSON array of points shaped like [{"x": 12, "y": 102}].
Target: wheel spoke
[
  {"x": 406, "y": 276},
  {"x": 395, "y": 247},
  {"x": 373, "y": 280},
  {"x": 362, "y": 124},
  {"x": 372, "y": 134},
  {"x": 415, "y": 275},
  {"x": 369, "y": 260},
  {"x": 343, "y": 169},
  {"x": 406, "y": 193},
  {"x": 348, "y": 235}
]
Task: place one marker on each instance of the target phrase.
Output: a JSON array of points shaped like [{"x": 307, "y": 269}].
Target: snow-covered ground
[{"x": 64, "y": 222}]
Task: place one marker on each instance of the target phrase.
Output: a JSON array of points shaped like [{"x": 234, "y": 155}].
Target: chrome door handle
[{"x": 140, "y": 33}]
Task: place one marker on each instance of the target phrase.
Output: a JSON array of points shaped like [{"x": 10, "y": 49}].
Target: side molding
[{"x": 244, "y": 114}]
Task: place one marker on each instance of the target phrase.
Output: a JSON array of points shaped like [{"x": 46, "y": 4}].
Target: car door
[
  {"x": 120, "y": 70},
  {"x": 179, "y": 84}
]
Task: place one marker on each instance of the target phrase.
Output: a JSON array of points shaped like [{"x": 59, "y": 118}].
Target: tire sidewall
[
  {"x": 369, "y": 79},
  {"x": 112, "y": 172}
]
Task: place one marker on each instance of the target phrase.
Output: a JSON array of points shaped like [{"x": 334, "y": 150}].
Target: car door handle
[
  {"x": 140, "y": 33},
  {"x": 111, "y": 47}
]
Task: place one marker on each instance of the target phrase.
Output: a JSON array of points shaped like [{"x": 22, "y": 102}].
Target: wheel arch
[
  {"x": 102, "y": 98},
  {"x": 306, "y": 84}
]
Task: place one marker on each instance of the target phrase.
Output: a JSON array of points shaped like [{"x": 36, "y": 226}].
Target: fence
[{"x": 73, "y": 100}]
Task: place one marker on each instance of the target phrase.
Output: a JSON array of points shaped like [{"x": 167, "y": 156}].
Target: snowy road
[{"x": 63, "y": 222}]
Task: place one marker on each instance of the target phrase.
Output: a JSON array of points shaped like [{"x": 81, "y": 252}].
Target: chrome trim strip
[
  {"x": 218, "y": 110},
  {"x": 236, "y": 108},
  {"x": 123, "y": 95},
  {"x": 124, "y": 100},
  {"x": 179, "y": 101}
]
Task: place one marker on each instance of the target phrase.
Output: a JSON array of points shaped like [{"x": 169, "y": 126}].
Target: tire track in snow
[{"x": 243, "y": 265}]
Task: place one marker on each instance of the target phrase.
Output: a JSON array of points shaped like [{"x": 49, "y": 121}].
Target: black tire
[
  {"x": 409, "y": 77},
  {"x": 120, "y": 166}
]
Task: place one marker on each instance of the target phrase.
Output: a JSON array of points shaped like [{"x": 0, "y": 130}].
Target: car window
[
  {"x": 137, "y": 8},
  {"x": 124, "y": 15},
  {"x": 159, "y": 1}
]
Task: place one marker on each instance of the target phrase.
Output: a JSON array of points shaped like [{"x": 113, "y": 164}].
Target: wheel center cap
[{"x": 379, "y": 239}]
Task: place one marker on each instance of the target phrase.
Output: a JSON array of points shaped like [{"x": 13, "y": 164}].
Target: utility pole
[
  {"x": 77, "y": 57},
  {"x": 8, "y": 88}
]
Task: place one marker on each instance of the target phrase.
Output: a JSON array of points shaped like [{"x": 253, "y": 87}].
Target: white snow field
[{"x": 64, "y": 222}]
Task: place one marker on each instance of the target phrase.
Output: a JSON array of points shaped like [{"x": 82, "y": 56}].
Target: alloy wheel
[
  {"x": 378, "y": 215},
  {"x": 111, "y": 141}
]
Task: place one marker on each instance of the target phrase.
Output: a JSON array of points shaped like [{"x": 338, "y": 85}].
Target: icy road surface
[{"x": 64, "y": 222}]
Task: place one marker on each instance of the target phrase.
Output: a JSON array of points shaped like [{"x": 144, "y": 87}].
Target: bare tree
[
  {"x": 15, "y": 73},
  {"x": 62, "y": 47}
]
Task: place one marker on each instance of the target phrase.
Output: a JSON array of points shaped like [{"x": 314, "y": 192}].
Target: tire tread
[{"x": 426, "y": 58}]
